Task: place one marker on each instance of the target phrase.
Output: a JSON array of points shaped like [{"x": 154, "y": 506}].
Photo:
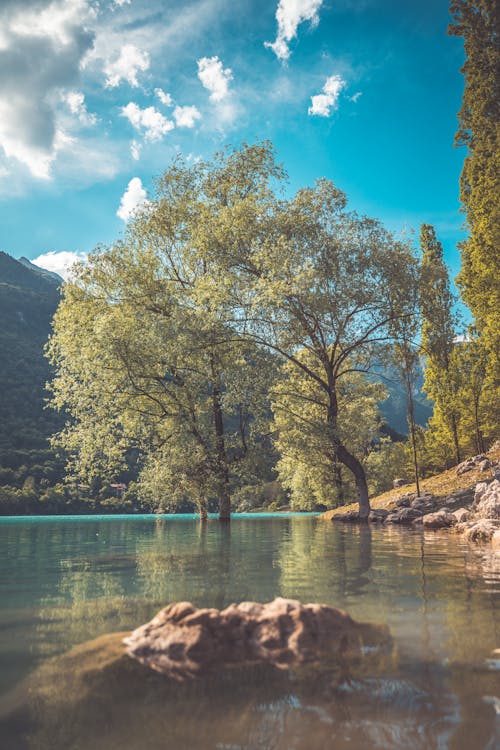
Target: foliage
[
  {"x": 146, "y": 358},
  {"x": 308, "y": 465},
  {"x": 442, "y": 376},
  {"x": 478, "y": 21},
  {"x": 320, "y": 278}
]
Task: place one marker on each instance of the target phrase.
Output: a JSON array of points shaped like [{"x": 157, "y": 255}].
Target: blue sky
[{"x": 96, "y": 98}]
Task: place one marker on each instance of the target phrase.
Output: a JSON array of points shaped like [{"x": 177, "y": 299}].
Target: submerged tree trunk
[{"x": 202, "y": 508}]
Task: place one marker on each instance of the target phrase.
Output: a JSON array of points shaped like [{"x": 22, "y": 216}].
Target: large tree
[
  {"x": 478, "y": 22},
  {"x": 323, "y": 280},
  {"x": 219, "y": 270},
  {"x": 146, "y": 357}
]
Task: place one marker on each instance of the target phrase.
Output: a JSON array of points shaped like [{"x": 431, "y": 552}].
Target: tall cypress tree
[
  {"x": 478, "y": 22},
  {"x": 442, "y": 374}
]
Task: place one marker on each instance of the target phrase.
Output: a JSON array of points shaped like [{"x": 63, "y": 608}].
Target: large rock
[
  {"x": 480, "y": 531},
  {"x": 183, "y": 641},
  {"x": 440, "y": 520},
  {"x": 487, "y": 499},
  {"x": 378, "y": 515},
  {"x": 404, "y": 516}
]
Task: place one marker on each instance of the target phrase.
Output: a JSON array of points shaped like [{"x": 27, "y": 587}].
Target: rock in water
[{"x": 183, "y": 641}]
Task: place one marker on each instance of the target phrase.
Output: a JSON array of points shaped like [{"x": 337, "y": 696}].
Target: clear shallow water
[{"x": 66, "y": 580}]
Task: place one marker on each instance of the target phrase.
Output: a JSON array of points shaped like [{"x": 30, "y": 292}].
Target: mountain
[
  {"x": 28, "y": 300},
  {"x": 42, "y": 271},
  {"x": 394, "y": 408}
]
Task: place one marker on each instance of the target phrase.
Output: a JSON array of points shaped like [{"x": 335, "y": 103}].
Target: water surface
[{"x": 66, "y": 580}]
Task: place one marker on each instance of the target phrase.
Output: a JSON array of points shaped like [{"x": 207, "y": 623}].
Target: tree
[
  {"x": 308, "y": 465},
  {"x": 442, "y": 376},
  {"x": 478, "y": 21},
  {"x": 217, "y": 264},
  {"x": 145, "y": 356},
  {"x": 327, "y": 281},
  {"x": 405, "y": 357}
]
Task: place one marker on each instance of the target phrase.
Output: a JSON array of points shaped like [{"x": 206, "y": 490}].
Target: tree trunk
[
  {"x": 356, "y": 468},
  {"x": 411, "y": 424},
  {"x": 202, "y": 508},
  {"x": 479, "y": 435},
  {"x": 456, "y": 445},
  {"x": 221, "y": 458},
  {"x": 339, "y": 485},
  {"x": 344, "y": 456}
]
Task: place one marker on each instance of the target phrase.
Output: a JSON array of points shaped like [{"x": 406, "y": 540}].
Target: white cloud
[
  {"x": 41, "y": 52},
  {"x": 165, "y": 98},
  {"x": 134, "y": 198},
  {"x": 289, "y": 15},
  {"x": 76, "y": 103},
  {"x": 120, "y": 3},
  {"x": 214, "y": 77},
  {"x": 185, "y": 117},
  {"x": 61, "y": 262},
  {"x": 323, "y": 104},
  {"x": 135, "y": 150},
  {"x": 154, "y": 124},
  {"x": 354, "y": 98},
  {"x": 126, "y": 66}
]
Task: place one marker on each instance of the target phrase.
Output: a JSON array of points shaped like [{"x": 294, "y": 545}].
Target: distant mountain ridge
[{"x": 43, "y": 271}]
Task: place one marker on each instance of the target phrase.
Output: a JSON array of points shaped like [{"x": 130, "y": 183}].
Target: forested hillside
[{"x": 28, "y": 300}]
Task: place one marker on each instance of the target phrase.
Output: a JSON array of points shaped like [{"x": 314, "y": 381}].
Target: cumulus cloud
[
  {"x": 133, "y": 199},
  {"x": 76, "y": 103},
  {"x": 323, "y": 104},
  {"x": 42, "y": 47},
  {"x": 125, "y": 67},
  {"x": 214, "y": 77},
  {"x": 289, "y": 15},
  {"x": 165, "y": 98},
  {"x": 185, "y": 117},
  {"x": 61, "y": 262},
  {"x": 153, "y": 123}
]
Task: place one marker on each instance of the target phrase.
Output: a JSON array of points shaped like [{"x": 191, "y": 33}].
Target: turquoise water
[{"x": 66, "y": 580}]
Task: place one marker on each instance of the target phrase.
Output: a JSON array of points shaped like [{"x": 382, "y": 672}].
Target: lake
[{"x": 66, "y": 580}]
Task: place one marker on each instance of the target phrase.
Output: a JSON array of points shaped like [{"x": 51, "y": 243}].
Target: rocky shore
[{"x": 471, "y": 511}]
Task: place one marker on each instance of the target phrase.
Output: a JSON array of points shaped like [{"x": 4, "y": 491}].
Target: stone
[
  {"x": 378, "y": 515},
  {"x": 399, "y": 482},
  {"x": 425, "y": 504},
  {"x": 404, "y": 516},
  {"x": 487, "y": 499},
  {"x": 481, "y": 531},
  {"x": 495, "y": 539},
  {"x": 485, "y": 465},
  {"x": 404, "y": 501},
  {"x": 352, "y": 516},
  {"x": 464, "y": 467},
  {"x": 462, "y": 515},
  {"x": 183, "y": 641},
  {"x": 443, "y": 519}
]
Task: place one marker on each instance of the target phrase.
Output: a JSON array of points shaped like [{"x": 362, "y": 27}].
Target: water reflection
[{"x": 63, "y": 583}]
